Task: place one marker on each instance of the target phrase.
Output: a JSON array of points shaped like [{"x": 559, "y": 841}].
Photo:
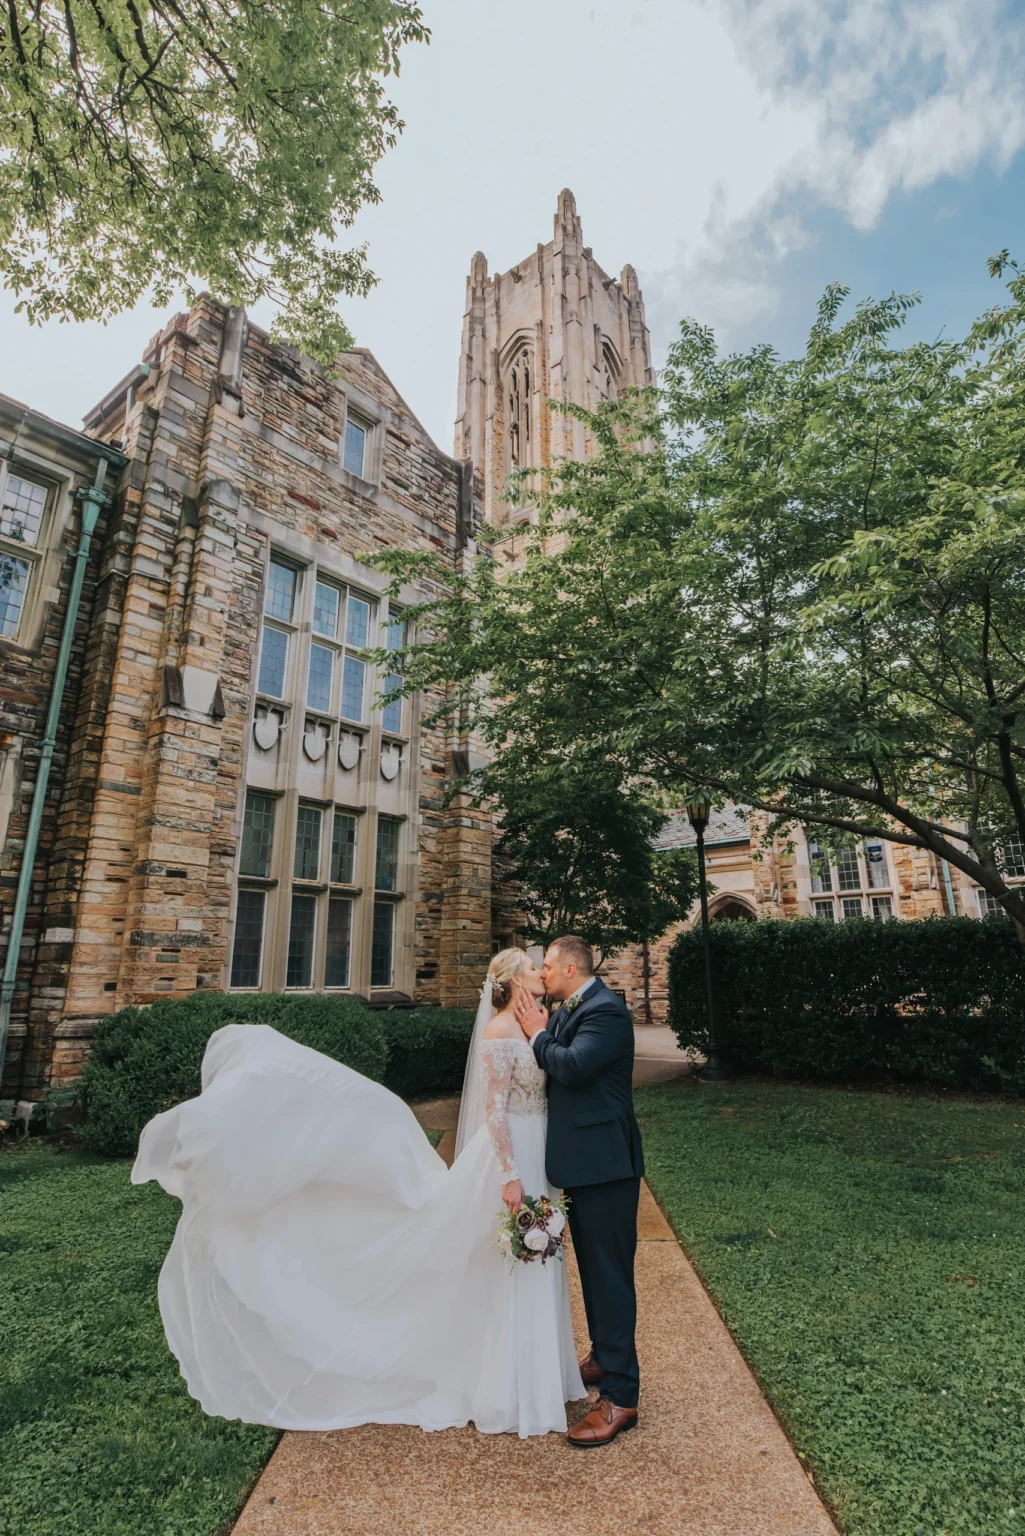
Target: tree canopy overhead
[
  {"x": 797, "y": 583},
  {"x": 151, "y": 144}
]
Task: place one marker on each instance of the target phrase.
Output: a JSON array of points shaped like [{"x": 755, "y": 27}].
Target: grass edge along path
[
  {"x": 864, "y": 1250},
  {"x": 98, "y": 1435}
]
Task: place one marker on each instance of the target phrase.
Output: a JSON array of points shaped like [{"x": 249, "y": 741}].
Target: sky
[{"x": 740, "y": 153}]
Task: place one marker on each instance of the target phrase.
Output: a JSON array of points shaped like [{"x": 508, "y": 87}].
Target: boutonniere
[{"x": 572, "y": 1003}]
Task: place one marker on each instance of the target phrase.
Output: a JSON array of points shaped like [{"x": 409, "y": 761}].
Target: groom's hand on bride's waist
[{"x": 530, "y": 1016}]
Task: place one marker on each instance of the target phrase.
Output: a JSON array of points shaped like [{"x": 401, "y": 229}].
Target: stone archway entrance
[{"x": 731, "y": 909}]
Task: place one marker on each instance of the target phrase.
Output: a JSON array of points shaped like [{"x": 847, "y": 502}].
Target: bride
[{"x": 328, "y": 1270}]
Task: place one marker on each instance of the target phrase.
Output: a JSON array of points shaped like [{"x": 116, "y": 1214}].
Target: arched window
[
  {"x": 520, "y": 383},
  {"x": 609, "y": 373}
]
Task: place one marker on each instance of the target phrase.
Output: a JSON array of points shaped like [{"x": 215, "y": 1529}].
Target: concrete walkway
[
  {"x": 708, "y": 1458},
  {"x": 657, "y": 1056}
]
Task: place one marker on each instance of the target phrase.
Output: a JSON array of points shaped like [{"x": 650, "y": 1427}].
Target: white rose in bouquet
[
  {"x": 555, "y": 1224},
  {"x": 536, "y": 1240}
]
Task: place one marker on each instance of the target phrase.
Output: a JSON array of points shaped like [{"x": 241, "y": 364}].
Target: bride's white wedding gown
[{"x": 328, "y": 1270}]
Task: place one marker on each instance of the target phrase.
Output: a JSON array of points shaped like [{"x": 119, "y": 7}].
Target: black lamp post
[{"x": 715, "y": 1067}]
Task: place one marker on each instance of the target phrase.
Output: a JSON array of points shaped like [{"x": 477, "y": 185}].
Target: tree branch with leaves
[
  {"x": 151, "y": 145},
  {"x": 797, "y": 583}
]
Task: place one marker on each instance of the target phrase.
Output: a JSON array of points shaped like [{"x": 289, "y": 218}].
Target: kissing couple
[{"x": 328, "y": 1270}]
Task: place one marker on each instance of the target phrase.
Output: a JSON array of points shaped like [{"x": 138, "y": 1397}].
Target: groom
[{"x": 594, "y": 1154}]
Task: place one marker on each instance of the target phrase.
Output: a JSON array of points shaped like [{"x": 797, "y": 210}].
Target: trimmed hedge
[
  {"x": 940, "y": 1001},
  {"x": 427, "y": 1049},
  {"x": 145, "y": 1060}
]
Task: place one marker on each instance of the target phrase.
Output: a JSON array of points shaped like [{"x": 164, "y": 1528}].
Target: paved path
[
  {"x": 708, "y": 1458},
  {"x": 657, "y": 1056}
]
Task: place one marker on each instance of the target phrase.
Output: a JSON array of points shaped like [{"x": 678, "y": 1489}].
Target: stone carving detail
[
  {"x": 315, "y": 740},
  {"x": 266, "y": 729},
  {"x": 348, "y": 751},
  {"x": 391, "y": 760}
]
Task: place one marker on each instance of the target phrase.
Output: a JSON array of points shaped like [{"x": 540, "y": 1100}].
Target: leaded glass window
[
  {"x": 848, "y": 873},
  {"x": 875, "y": 863},
  {"x": 354, "y": 677},
  {"x": 386, "y": 877},
  {"x": 343, "y": 849},
  {"x": 301, "y": 935},
  {"x": 338, "y": 961},
  {"x": 821, "y": 874},
  {"x": 279, "y": 600},
  {"x": 382, "y": 945},
  {"x": 357, "y": 622},
  {"x": 257, "y": 835},
  {"x": 1012, "y": 859},
  {"x": 247, "y": 950},
  {"x": 391, "y": 715},
  {"x": 326, "y": 603},
  {"x": 307, "y": 843},
  {"x": 354, "y": 452},
  {"x": 321, "y": 677},
  {"x": 14, "y": 575},
  {"x": 273, "y": 662},
  {"x": 21, "y": 509}
]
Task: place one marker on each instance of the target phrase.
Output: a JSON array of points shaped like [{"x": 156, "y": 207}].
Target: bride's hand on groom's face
[{"x": 530, "y": 1015}]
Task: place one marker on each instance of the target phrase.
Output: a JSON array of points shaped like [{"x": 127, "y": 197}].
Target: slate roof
[{"x": 728, "y": 825}]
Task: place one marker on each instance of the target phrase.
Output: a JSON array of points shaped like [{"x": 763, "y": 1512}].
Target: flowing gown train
[{"x": 328, "y": 1270}]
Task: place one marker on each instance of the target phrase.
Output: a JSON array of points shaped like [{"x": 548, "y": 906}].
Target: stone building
[
  {"x": 46, "y": 472},
  {"x": 233, "y": 804},
  {"x": 554, "y": 327},
  {"x": 754, "y": 879}
]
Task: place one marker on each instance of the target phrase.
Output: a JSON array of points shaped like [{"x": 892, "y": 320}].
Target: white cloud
[
  {"x": 692, "y": 134},
  {"x": 855, "y": 101}
]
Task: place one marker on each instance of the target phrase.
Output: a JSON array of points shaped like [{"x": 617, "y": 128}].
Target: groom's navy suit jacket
[{"x": 588, "y": 1054}]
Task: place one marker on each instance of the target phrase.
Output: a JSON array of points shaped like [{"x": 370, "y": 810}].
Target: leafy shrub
[
  {"x": 940, "y": 1001},
  {"x": 426, "y": 1049},
  {"x": 146, "y": 1060}
]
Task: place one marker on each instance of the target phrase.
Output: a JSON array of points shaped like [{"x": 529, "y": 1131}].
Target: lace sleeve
[{"x": 497, "y": 1059}]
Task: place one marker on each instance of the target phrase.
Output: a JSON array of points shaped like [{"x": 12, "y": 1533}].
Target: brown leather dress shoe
[
  {"x": 590, "y": 1372},
  {"x": 601, "y": 1426}
]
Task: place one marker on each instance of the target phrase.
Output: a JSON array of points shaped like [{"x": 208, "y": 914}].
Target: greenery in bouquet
[{"x": 537, "y": 1230}]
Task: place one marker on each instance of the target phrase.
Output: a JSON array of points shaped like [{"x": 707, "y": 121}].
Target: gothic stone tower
[{"x": 555, "y": 327}]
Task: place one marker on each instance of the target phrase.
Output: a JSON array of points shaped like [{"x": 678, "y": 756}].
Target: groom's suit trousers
[{"x": 603, "y": 1225}]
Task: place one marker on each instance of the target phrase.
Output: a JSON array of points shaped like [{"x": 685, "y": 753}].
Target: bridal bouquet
[{"x": 536, "y": 1231}]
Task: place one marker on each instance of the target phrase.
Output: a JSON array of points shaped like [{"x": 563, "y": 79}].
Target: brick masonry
[{"x": 234, "y": 448}]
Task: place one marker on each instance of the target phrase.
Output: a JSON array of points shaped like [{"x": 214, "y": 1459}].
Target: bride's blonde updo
[{"x": 506, "y": 965}]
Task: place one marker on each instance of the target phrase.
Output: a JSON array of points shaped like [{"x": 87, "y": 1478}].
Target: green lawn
[
  {"x": 866, "y": 1250},
  {"x": 97, "y": 1433}
]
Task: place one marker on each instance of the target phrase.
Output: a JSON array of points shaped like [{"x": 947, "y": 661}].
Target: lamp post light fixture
[{"x": 715, "y": 1070}]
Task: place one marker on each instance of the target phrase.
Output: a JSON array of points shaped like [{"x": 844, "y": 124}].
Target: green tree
[
  {"x": 153, "y": 143},
  {"x": 580, "y": 841},
  {"x": 797, "y": 583}
]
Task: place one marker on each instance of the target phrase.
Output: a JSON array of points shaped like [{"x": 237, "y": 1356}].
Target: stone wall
[
  {"x": 234, "y": 447},
  {"x": 66, "y": 461}
]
